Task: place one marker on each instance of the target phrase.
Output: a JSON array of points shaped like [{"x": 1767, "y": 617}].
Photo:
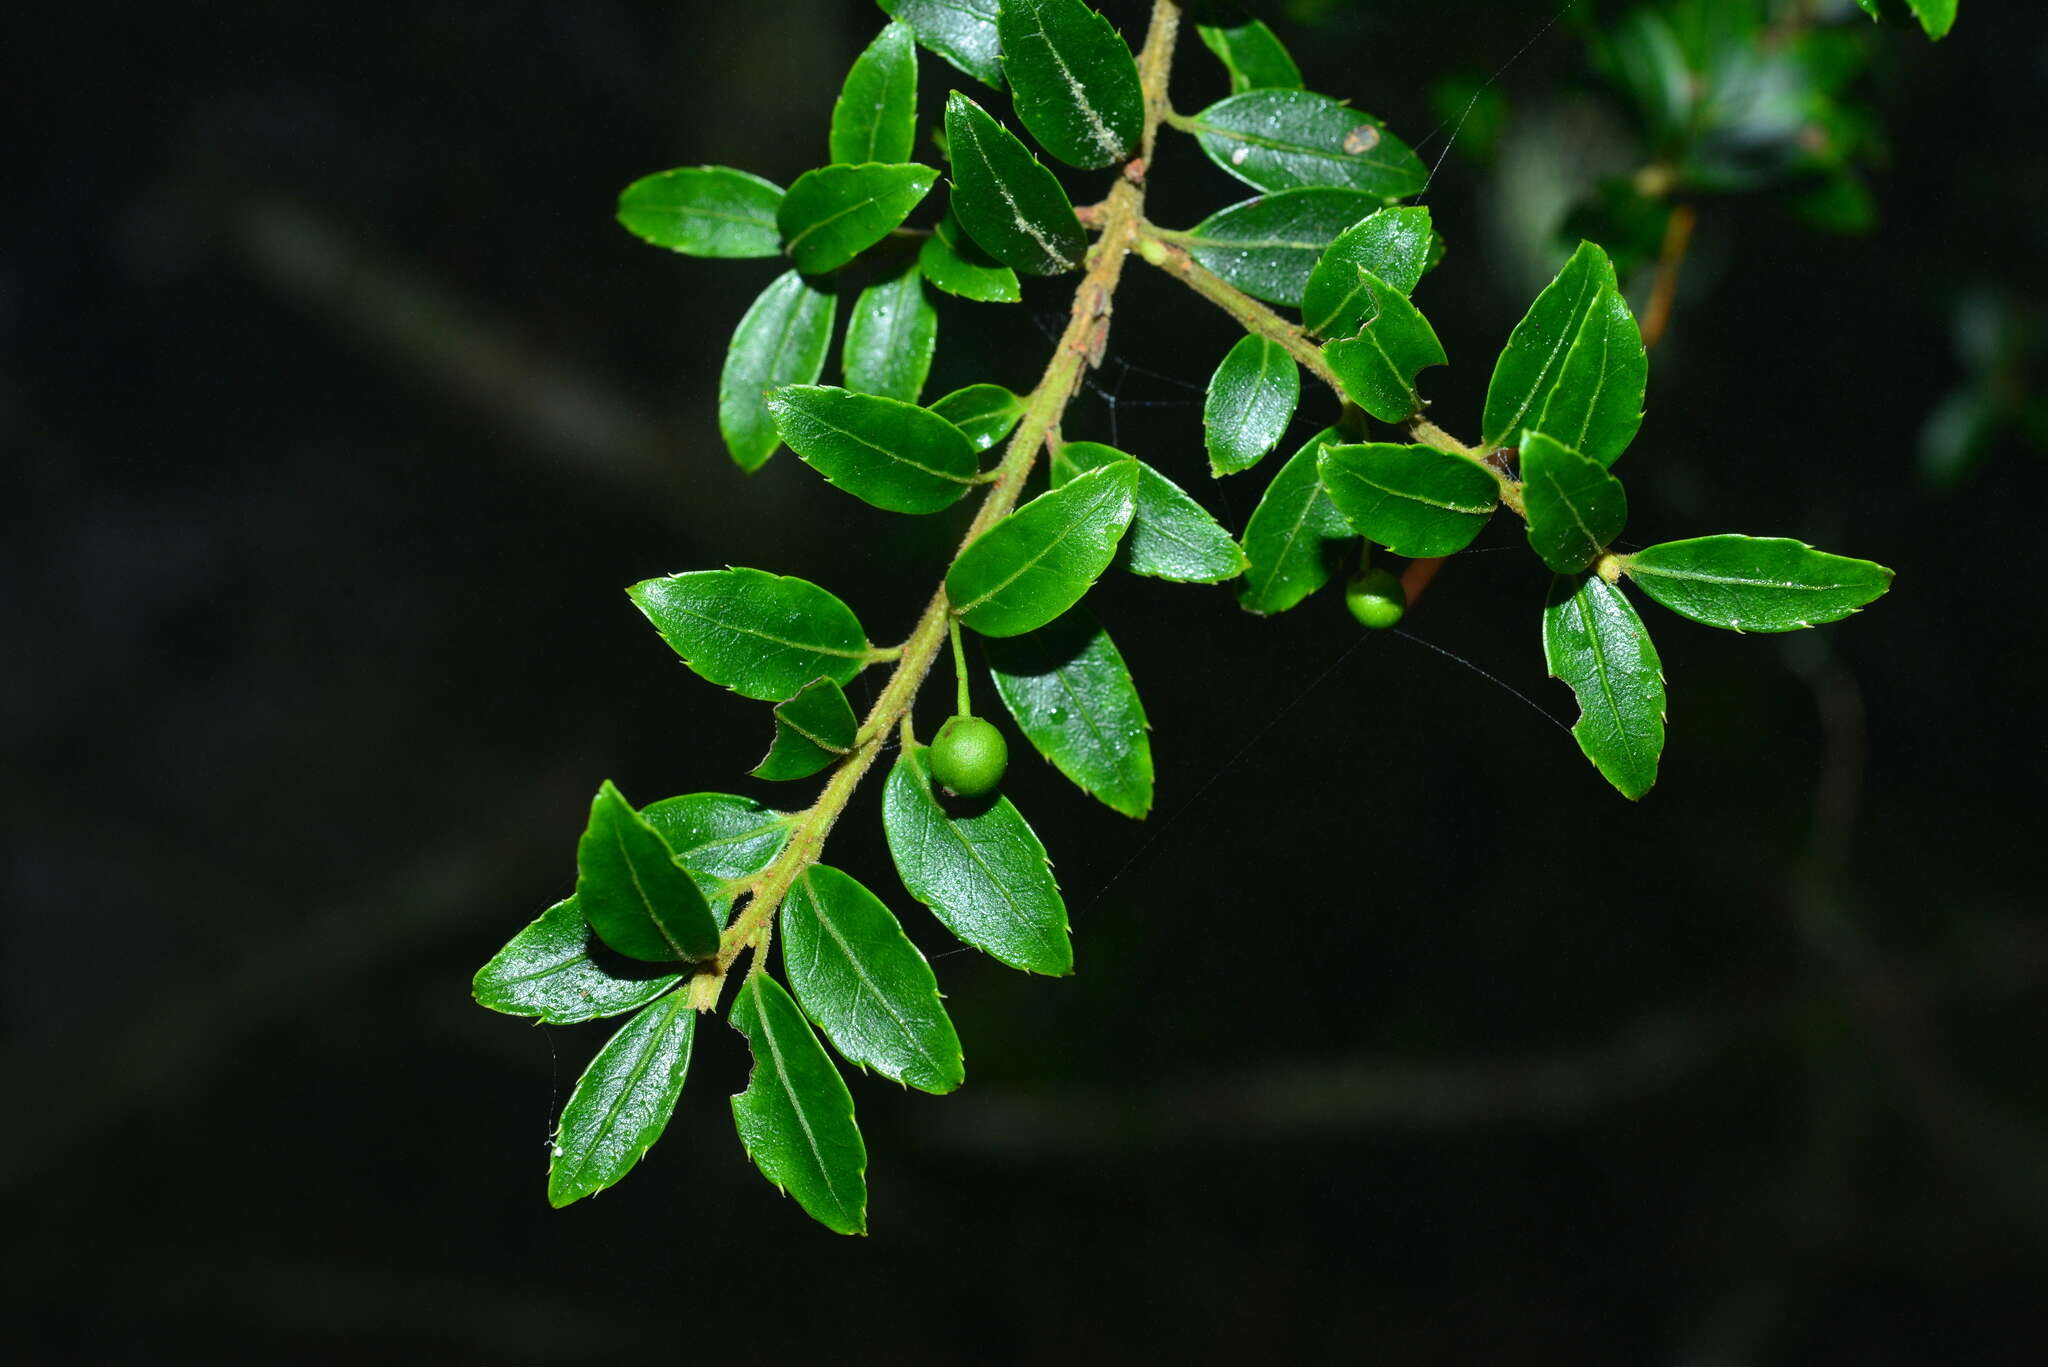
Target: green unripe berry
[
  {"x": 968, "y": 757},
  {"x": 1376, "y": 599}
]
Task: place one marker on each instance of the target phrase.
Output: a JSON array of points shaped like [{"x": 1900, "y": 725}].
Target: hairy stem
[
  {"x": 1161, "y": 247},
  {"x": 1254, "y": 317},
  {"x": 963, "y": 705},
  {"x": 1081, "y": 347}
]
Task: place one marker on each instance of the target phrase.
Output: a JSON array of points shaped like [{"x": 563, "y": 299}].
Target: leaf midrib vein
[
  {"x": 1074, "y": 524},
  {"x": 789, "y": 1093},
  {"x": 826, "y": 924}
]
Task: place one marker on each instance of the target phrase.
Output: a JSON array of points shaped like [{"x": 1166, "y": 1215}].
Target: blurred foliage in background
[{"x": 342, "y": 411}]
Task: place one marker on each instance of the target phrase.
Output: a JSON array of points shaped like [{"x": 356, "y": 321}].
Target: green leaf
[
  {"x": 1597, "y": 404},
  {"x": 720, "y": 838},
  {"x": 782, "y": 340},
  {"x": 1936, "y": 16},
  {"x": 796, "y": 1116},
  {"x": 636, "y": 896},
  {"x": 1378, "y": 366},
  {"x": 961, "y": 31},
  {"x": 1251, "y": 400},
  {"x": 892, "y": 454},
  {"x": 704, "y": 211},
  {"x": 558, "y": 970},
  {"x": 1869, "y": 8},
  {"x": 833, "y": 214},
  {"x": 812, "y": 730},
  {"x": 1594, "y": 642},
  {"x": 985, "y": 412},
  {"x": 762, "y": 635},
  {"x": 1530, "y": 364},
  {"x": 1392, "y": 245},
  {"x": 1644, "y": 55},
  {"x": 890, "y": 338},
  {"x": 1011, "y": 206},
  {"x": 1296, "y": 540},
  {"x": 1414, "y": 500},
  {"x": 1287, "y": 139},
  {"x": 623, "y": 1101},
  {"x": 952, "y": 261},
  {"x": 979, "y": 868},
  {"x": 1172, "y": 536},
  {"x": 859, "y": 977},
  {"x": 1254, "y": 57},
  {"x": 1038, "y": 562},
  {"x": 1575, "y": 508},
  {"x": 1072, "y": 696},
  {"x": 1268, "y": 246},
  {"x": 875, "y": 117},
  {"x": 1755, "y": 583},
  {"x": 1074, "y": 84}
]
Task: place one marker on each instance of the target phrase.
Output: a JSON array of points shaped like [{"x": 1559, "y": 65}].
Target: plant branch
[
  {"x": 1081, "y": 347},
  {"x": 1664, "y": 291},
  {"x": 1155, "y": 245},
  {"x": 1162, "y": 248},
  {"x": 1159, "y": 247}
]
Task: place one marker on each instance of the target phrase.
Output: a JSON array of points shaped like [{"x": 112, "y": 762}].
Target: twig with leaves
[{"x": 672, "y": 897}]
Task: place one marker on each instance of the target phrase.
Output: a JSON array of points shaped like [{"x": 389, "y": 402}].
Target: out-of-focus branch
[{"x": 407, "y": 318}]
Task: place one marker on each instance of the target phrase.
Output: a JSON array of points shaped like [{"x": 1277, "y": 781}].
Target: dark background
[{"x": 339, "y": 411}]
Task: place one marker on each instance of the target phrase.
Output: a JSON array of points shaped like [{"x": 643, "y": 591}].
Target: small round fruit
[
  {"x": 969, "y": 756},
  {"x": 1376, "y": 599}
]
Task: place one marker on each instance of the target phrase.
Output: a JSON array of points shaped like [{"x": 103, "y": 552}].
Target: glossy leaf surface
[
  {"x": 1296, "y": 540},
  {"x": 1038, "y": 562},
  {"x": 1755, "y": 583},
  {"x": 1288, "y": 139},
  {"x": 1268, "y": 246},
  {"x": 863, "y": 982},
  {"x": 782, "y": 340},
  {"x": 636, "y": 896},
  {"x": 955, "y": 263},
  {"x": 1594, "y": 642},
  {"x": 1414, "y": 500},
  {"x": 796, "y": 1117},
  {"x": 833, "y": 214},
  {"x": 1392, "y": 245},
  {"x": 1597, "y": 404},
  {"x": 1072, "y": 80},
  {"x": 704, "y": 211},
  {"x": 719, "y": 837},
  {"x": 812, "y": 730},
  {"x": 1251, "y": 400},
  {"x": 875, "y": 117},
  {"x": 559, "y": 971},
  {"x": 985, "y": 412},
  {"x": 978, "y": 867},
  {"x": 1254, "y": 57},
  {"x": 1072, "y": 696},
  {"x": 890, "y": 338},
  {"x": 1574, "y": 507},
  {"x": 1008, "y": 202},
  {"x": 1378, "y": 366},
  {"x": 623, "y": 1101},
  {"x": 1534, "y": 357},
  {"x": 961, "y": 31},
  {"x": 762, "y": 635},
  {"x": 1171, "y": 536},
  {"x": 895, "y": 455}
]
